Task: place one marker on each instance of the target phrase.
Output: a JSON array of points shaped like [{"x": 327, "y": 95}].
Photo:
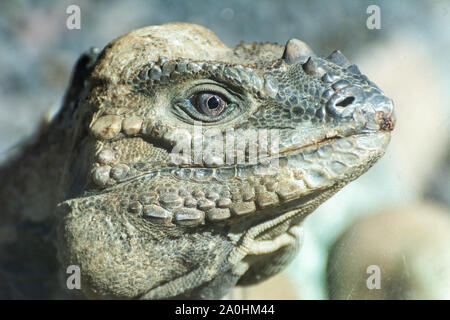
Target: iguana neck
[
  {"x": 35, "y": 180},
  {"x": 31, "y": 182},
  {"x": 31, "y": 188}
]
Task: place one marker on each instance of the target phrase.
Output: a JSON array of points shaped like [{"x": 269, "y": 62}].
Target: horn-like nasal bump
[
  {"x": 296, "y": 51},
  {"x": 338, "y": 58},
  {"x": 314, "y": 66}
]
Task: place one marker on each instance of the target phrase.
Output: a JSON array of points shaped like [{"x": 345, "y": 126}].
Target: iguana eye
[{"x": 209, "y": 104}]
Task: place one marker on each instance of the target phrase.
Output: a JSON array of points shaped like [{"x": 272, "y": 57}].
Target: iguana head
[{"x": 201, "y": 157}]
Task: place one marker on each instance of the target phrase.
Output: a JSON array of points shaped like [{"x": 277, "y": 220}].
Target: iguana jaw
[
  {"x": 314, "y": 176},
  {"x": 296, "y": 174},
  {"x": 280, "y": 229}
]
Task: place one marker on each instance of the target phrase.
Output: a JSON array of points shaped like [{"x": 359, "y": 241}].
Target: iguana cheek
[
  {"x": 132, "y": 125},
  {"x": 107, "y": 127}
]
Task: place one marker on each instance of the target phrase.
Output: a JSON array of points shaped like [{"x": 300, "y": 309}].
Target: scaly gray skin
[{"x": 99, "y": 188}]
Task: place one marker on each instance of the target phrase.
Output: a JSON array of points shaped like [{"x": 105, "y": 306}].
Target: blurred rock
[
  {"x": 438, "y": 186},
  {"x": 410, "y": 245}
]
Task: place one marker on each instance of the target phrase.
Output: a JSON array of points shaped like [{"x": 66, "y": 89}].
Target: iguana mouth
[
  {"x": 197, "y": 173},
  {"x": 304, "y": 174}
]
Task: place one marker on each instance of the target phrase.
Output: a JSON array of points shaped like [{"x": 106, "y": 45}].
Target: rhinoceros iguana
[{"x": 99, "y": 189}]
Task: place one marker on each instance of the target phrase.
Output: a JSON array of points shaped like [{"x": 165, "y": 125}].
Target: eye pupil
[
  {"x": 209, "y": 104},
  {"x": 213, "y": 102}
]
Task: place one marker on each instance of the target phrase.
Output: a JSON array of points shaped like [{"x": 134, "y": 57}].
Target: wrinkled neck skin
[{"x": 101, "y": 189}]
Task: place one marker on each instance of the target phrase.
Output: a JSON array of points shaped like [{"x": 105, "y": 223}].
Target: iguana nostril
[{"x": 346, "y": 102}]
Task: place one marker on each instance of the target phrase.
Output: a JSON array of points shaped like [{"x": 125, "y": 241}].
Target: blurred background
[{"x": 396, "y": 217}]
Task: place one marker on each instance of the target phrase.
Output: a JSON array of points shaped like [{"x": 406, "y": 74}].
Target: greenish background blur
[{"x": 409, "y": 58}]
